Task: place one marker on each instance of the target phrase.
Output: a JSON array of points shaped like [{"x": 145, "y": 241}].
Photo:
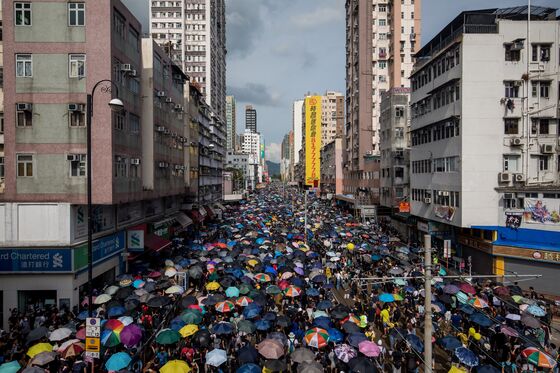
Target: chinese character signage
[
  {"x": 36, "y": 260},
  {"x": 312, "y": 140}
]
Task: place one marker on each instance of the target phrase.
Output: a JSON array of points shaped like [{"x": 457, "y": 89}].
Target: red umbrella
[
  {"x": 81, "y": 334},
  {"x": 283, "y": 284},
  {"x": 467, "y": 288}
]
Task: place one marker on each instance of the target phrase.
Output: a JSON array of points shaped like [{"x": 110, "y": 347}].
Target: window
[
  {"x": 119, "y": 121},
  {"x": 382, "y": 8},
  {"x": 134, "y": 38},
  {"x": 511, "y": 162},
  {"x": 512, "y": 88},
  {"x": 540, "y": 89},
  {"x": 22, "y": 14},
  {"x": 24, "y": 165},
  {"x": 77, "y": 118},
  {"x": 77, "y": 65},
  {"x": 134, "y": 123},
  {"x": 24, "y": 118},
  {"x": 120, "y": 166},
  {"x": 118, "y": 24},
  {"x": 543, "y": 162},
  {"x": 76, "y": 14},
  {"x": 512, "y": 52},
  {"x": 382, "y": 64},
  {"x": 77, "y": 165},
  {"x": 1, "y": 168},
  {"x": 24, "y": 66},
  {"x": 543, "y": 127},
  {"x": 382, "y": 22},
  {"x": 1, "y": 123},
  {"x": 399, "y": 111},
  {"x": 511, "y": 126}
]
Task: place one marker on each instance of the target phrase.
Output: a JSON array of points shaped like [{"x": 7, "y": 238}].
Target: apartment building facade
[
  {"x": 250, "y": 119},
  {"x": 332, "y": 116},
  {"x": 231, "y": 123},
  {"x": 484, "y": 156}
]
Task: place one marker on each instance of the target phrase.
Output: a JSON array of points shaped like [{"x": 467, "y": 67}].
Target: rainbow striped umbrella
[
  {"x": 263, "y": 277},
  {"x": 292, "y": 291},
  {"x": 478, "y": 302},
  {"x": 316, "y": 337},
  {"x": 538, "y": 358},
  {"x": 225, "y": 306},
  {"x": 243, "y": 301}
]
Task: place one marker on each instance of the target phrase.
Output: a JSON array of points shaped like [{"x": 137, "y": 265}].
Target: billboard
[{"x": 313, "y": 140}]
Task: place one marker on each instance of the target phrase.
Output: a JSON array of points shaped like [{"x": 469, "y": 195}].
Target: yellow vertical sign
[{"x": 313, "y": 141}]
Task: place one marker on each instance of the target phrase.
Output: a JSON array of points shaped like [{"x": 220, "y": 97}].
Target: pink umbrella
[
  {"x": 369, "y": 349},
  {"x": 509, "y": 331},
  {"x": 131, "y": 335},
  {"x": 467, "y": 288},
  {"x": 81, "y": 334}
]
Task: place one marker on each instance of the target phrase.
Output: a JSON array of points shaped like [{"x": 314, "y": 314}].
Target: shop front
[{"x": 477, "y": 255}]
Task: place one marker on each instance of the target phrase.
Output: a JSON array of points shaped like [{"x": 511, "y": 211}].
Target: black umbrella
[
  {"x": 37, "y": 334},
  {"x": 226, "y": 282},
  {"x": 159, "y": 302},
  {"x": 163, "y": 284},
  {"x": 123, "y": 293},
  {"x": 247, "y": 354},
  {"x": 113, "y": 303},
  {"x": 339, "y": 312},
  {"x": 202, "y": 338},
  {"x": 213, "y": 299},
  {"x": 283, "y": 321},
  {"x": 131, "y": 304},
  {"x": 361, "y": 364},
  {"x": 188, "y": 301},
  {"x": 275, "y": 365},
  {"x": 350, "y": 327}
]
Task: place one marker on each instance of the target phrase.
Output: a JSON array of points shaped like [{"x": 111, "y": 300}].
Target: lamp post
[{"x": 116, "y": 105}]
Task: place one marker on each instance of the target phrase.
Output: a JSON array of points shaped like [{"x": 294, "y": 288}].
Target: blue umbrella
[
  {"x": 118, "y": 361},
  {"x": 319, "y": 279},
  {"x": 386, "y": 298},
  {"x": 83, "y": 315},
  {"x": 335, "y": 335},
  {"x": 298, "y": 282},
  {"x": 271, "y": 270},
  {"x": 10, "y": 367},
  {"x": 232, "y": 291},
  {"x": 222, "y": 328},
  {"x": 259, "y": 241},
  {"x": 409, "y": 289},
  {"x": 177, "y": 323},
  {"x": 249, "y": 368},
  {"x": 324, "y": 305},
  {"x": 375, "y": 258},
  {"x": 487, "y": 369},
  {"x": 312, "y": 292},
  {"x": 449, "y": 343},
  {"x": 440, "y": 306},
  {"x": 262, "y": 324},
  {"x": 116, "y": 311},
  {"x": 535, "y": 310},
  {"x": 251, "y": 311},
  {"x": 269, "y": 316},
  {"x": 415, "y": 342},
  {"x": 466, "y": 357},
  {"x": 469, "y": 310},
  {"x": 323, "y": 322},
  {"x": 481, "y": 319}
]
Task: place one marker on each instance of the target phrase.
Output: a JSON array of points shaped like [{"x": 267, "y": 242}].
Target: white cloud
[
  {"x": 273, "y": 152},
  {"x": 320, "y": 16}
]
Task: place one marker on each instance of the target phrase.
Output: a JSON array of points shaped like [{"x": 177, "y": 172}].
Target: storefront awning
[
  {"x": 182, "y": 219},
  {"x": 211, "y": 213},
  {"x": 156, "y": 243},
  {"x": 342, "y": 197},
  {"x": 196, "y": 216}
]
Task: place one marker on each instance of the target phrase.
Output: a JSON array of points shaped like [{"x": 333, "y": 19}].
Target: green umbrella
[
  {"x": 168, "y": 337},
  {"x": 191, "y": 317},
  {"x": 213, "y": 277},
  {"x": 10, "y": 367},
  {"x": 273, "y": 289},
  {"x": 246, "y": 326},
  {"x": 244, "y": 289}
]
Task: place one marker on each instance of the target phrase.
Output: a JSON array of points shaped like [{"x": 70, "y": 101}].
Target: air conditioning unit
[
  {"x": 516, "y": 141},
  {"x": 76, "y": 107},
  {"x": 519, "y": 178},
  {"x": 504, "y": 177},
  {"x": 443, "y": 193},
  {"x": 161, "y": 164},
  {"x": 166, "y": 131},
  {"x": 160, "y": 93},
  {"x": 413, "y": 36},
  {"x": 177, "y": 166},
  {"x": 72, "y": 157},
  {"x": 173, "y": 135},
  {"x": 508, "y": 195},
  {"x": 135, "y": 161},
  {"x": 126, "y": 67},
  {"x": 133, "y": 73},
  {"x": 428, "y": 200},
  {"x": 160, "y": 129},
  {"x": 178, "y": 107},
  {"x": 169, "y": 100},
  {"x": 24, "y": 107},
  {"x": 517, "y": 46},
  {"x": 547, "y": 149}
]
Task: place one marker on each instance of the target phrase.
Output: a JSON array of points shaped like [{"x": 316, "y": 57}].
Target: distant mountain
[{"x": 273, "y": 168}]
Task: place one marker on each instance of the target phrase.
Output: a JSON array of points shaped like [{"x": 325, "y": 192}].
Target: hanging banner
[
  {"x": 313, "y": 140},
  {"x": 541, "y": 211},
  {"x": 445, "y": 212}
]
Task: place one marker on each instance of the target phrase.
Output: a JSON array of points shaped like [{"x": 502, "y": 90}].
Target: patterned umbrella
[
  {"x": 110, "y": 338},
  {"x": 538, "y": 358},
  {"x": 345, "y": 352},
  {"x": 73, "y": 349},
  {"x": 263, "y": 277},
  {"x": 225, "y": 306},
  {"x": 535, "y": 310},
  {"x": 466, "y": 356},
  {"x": 316, "y": 337},
  {"x": 478, "y": 302},
  {"x": 243, "y": 301},
  {"x": 292, "y": 291},
  {"x": 114, "y": 324}
]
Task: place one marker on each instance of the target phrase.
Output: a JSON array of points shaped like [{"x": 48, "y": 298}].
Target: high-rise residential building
[
  {"x": 231, "y": 127},
  {"x": 1, "y": 114},
  {"x": 485, "y": 158},
  {"x": 250, "y": 119},
  {"x": 251, "y": 145},
  {"x": 297, "y": 126},
  {"x": 285, "y": 156},
  {"x": 332, "y": 116},
  {"x": 381, "y": 39},
  {"x": 193, "y": 34}
]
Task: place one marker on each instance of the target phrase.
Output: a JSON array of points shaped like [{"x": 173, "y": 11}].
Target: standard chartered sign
[{"x": 36, "y": 260}]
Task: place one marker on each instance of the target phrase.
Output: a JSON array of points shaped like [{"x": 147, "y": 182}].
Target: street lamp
[{"x": 116, "y": 105}]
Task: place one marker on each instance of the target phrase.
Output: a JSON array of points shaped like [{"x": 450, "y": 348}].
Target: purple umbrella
[
  {"x": 451, "y": 289},
  {"x": 299, "y": 271},
  {"x": 131, "y": 335}
]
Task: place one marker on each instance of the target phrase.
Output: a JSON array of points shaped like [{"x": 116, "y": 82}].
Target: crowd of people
[{"x": 260, "y": 292}]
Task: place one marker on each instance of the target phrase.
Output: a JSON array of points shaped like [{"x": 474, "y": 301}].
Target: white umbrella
[
  {"x": 103, "y": 298},
  {"x": 60, "y": 334},
  {"x": 175, "y": 289},
  {"x": 111, "y": 290},
  {"x": 67, "y": 344},
  {"x": 216, "y": 357}
]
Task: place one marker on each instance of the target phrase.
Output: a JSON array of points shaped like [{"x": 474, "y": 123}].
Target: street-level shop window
[
  {"x": 77, "y": 164},
  {"x": 24, "y": 66},
  {"x": 76, "y": 14},
  {"x": 77, "y": 65},
  {"x": 22, "y": 14},
  {"x": 24, "y": 165}
]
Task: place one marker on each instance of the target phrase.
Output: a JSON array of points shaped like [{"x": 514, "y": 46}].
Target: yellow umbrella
[
  {"x": 252, "y": 262},
  {"x": 175, "y": 366},
  {"x": 188, "y": 330},
  {"x": 454, "y": 369},
  {"x": 38, "y": 348},
  {"x": 212, "y": 286}
]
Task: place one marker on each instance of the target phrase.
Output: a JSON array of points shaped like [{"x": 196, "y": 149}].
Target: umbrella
[
  {"x": 354, "y": 339},
  {"x": 33, "y": 369},
  {"x": 316, "y": 337},
  {"x": 10, "y": 367},
  {"x": 191, "y": 317},
  {"x": 216, "y": 357},
  {"x": 538, "y": 358},
  {"x": 487, "y": 369},
  {"x": 247, "y": 354},
  {"x": 116, "y": 311},
  {"x": 126, "y": 320},
  {"x": 232, "y": 292},
  {"x": 466, "y": 357},
  {"x": 243, "y": 301},
  {"x": 110, "y": 338},
  {"x": 175, "y": 366},
  {"x": 202, "y": 338},
  {"x": 251, "y": 311},
  {"x": 222, "y": 328},
  {"x": 449, "y": 343},
  {"x": 324, "y": 305},
  {"x": 467, "y": 288},
  {"x": 510, "y": 332},
  {"x": 37, "y": 334},
  {"x": 246, "y": 326},
  {"x": 38, "y": 348},
  {"x": 262, "y": 324},
  {"x": 345, "y": 352},
  {"x": 362, "y": 364},
  {"x": 271, "y": 349},
  {"x": 157, "y": 302},
  {"x": 415, "y": 342},
  {"x": 167, "y": 337},
  {"x": 225, "y": 306},
  {"x": 310, "y": 367},
  {"x": 302, "y": 354},
  {"x": 175, "y": 289},
  {"x": 75, "y": 348},
  {"x": 275, "y": 365},
  {"x": 480, "y": 319},
  {"x": 530, "y": 321},
  {"x": 478, "y": 303},
  {"x": 60, "y": 334},
  {"x": 212, "y": 286},
  {"x": 513, "y": 316},
  {"x": 188, "y": 330},
  {"x": 369, "y": 349},
  {"x": 43, "y": 358},
  {"x": 292, "y": 291},
  {"x": 263, "y": 277},
  {"x": 103, "y": 298},
  {"x": 273, "y": 289},
  {"x": 535, "y": 310},
  {"x": 386, "y": 298},
  {"x": 249, "y": 368},
  {"x": 118, "y": 361},
  {"x": 131, "y": 335}
]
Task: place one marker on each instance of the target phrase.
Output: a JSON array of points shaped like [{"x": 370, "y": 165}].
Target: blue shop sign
[
  {"x": 103, "y": 248},
  {"x": 36, "y": 260}
]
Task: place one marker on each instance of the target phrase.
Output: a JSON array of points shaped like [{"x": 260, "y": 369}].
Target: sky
[{"x": 279, "y": 50}]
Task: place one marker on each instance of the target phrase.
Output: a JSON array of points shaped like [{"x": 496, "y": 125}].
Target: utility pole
[
  {"x": 305, "y": 220},
  {"x": 428, "y": 303}
]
